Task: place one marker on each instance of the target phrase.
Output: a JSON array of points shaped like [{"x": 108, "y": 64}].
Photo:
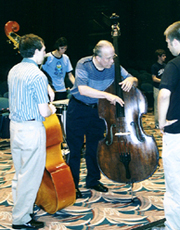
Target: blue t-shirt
[
  {"x": 87, "y": 74},
  {"x": 57, "y": 68}
]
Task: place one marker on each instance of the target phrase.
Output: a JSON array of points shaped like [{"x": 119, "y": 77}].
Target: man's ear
[
  {"x": 98, "y": 58},
  {"x": 176, "y": 42},
  {"x": 36, "y": 51}
]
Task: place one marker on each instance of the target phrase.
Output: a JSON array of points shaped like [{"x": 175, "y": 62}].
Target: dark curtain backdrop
[{"x": 84, "y": 23}]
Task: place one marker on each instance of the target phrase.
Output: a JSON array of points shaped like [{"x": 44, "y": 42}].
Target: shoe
[
  {"x": 31, "y": 224},
  {"x": 156, "y": 126},
  {"x": 99, "y": 187},
  {"x": 78, "y": 193}
]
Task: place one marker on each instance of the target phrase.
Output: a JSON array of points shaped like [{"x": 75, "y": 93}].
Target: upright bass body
[
  {"x": 57, "y": 189},
  {"x": 126, "y": 154}
]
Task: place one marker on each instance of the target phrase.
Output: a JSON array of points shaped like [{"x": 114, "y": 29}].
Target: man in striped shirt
[
  {"x": 28, "y": 104},
  {"x": 93, "y": 75}
]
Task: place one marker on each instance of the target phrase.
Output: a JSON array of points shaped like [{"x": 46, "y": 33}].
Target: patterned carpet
[{"x": 118, "y": 209}]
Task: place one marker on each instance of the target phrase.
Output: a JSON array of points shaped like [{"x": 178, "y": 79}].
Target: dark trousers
[{"x": 83, "y": 120}]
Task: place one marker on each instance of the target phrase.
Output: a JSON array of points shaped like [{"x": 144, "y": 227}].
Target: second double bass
[{"x": 126, "y": 154}]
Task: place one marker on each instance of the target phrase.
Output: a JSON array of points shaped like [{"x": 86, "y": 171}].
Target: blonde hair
[{"x": 173, "y": 31}]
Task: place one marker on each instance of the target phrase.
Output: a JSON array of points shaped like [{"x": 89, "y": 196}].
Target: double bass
[
  {"x": 57, "y": 189},
  {"x": 126, "y": 154}
]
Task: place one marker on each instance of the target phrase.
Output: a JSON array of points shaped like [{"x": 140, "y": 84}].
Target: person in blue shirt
[
  {"x": 93, "y": 75},
  {"x": 28, "y": 105},
  {"x": 56, "y": 65}
]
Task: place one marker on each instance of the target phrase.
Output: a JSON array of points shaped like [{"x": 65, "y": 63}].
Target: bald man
[{"x": 93, "y": 75}]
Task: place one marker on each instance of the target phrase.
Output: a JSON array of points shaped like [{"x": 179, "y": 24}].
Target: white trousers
[
  {"x": 171, "y": 163},
  {"x": 28, "y": 148}
]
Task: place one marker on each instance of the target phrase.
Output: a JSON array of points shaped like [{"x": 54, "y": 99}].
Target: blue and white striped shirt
[
  {"x": 27, "y": 88},
  {"x": 87, "y": 74}
]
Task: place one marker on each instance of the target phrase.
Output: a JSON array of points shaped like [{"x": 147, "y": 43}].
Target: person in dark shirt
[
  {"x": 169, "y": 124},
  {"x": 157, "y": 70}
]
